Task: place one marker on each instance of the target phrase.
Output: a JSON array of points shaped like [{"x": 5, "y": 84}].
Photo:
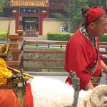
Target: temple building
[{"x": 29, "y": 14}]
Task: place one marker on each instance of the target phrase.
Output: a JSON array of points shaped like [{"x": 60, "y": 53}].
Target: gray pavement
[
  {"x": 62, "y": 76},
  {"x": 55, "y": 75}
]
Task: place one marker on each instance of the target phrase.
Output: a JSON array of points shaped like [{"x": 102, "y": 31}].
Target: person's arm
[
  {"x": 89, "y": 86},
  {"x": 104, "y": 66}
]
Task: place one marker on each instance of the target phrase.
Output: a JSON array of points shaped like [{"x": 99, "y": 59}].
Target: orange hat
[{"x": 93, "y": 14}]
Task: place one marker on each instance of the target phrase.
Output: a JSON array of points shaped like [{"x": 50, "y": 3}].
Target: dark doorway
[{"x": 30, "y": 25}]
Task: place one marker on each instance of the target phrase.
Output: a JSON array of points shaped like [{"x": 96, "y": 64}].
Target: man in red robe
[{"x": 82, "y": 50}]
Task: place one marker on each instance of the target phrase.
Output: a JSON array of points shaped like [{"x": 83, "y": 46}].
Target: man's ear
[{"x": 92, "y": 25}]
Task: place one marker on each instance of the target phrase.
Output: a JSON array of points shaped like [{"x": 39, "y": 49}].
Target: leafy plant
[
  {"x": 73, "y": 10},
  {"x": 3, "y": 35},
  {"x": 103, "y": 38},
  {"x": 59, "y": 36},
  {"x": 2, "y": 3}
]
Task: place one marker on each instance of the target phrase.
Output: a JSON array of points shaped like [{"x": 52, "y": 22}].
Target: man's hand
[{"x": 89, "y": 86}]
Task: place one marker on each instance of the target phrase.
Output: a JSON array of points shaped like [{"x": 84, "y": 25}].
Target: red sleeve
[
  {"x": 76, "y": 61},
  {"x": 101, "y": 56}
]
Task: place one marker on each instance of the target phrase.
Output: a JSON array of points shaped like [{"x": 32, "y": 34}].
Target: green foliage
[
  {"x": 2, "y": 3},
  {"x": 3, "y": 35},
  {"x": 59, "y": 36},
  {"x": 103, "y": 38},
  {"x": 100, "y": 3},
  {"x": 73, "y": 10}
]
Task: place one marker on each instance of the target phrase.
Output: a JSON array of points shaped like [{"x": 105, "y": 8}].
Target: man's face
[{"x": 101, "y": 27}]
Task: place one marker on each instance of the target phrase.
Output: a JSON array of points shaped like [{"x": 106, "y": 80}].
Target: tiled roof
[{"x": 34, "y": 3}]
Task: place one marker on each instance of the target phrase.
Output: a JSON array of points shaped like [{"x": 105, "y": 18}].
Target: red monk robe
[{"x": 80, "y": 57}]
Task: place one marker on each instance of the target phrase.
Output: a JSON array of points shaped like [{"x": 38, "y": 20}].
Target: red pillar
[
  {"x": 42, "y": 14},
  {"x": 16, "y": 20},
  {"x": 40, "y": 24}
]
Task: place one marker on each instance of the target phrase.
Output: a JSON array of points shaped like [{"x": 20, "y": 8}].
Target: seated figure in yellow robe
[{"x": 5, "y": 73}]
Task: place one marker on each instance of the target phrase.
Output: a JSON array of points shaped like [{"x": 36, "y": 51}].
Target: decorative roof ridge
[{"x": 38, "y": 3}]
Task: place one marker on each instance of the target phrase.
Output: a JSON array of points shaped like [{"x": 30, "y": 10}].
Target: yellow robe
[{"x": 4, "y": 72}]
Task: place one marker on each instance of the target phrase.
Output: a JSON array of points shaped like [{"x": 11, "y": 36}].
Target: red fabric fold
[
  {"x": 8, "y": 98},
  {"x": 28, "y": 100}
]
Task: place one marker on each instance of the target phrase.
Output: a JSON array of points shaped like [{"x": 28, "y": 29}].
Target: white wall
[{"x": 4, "y": 25}]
